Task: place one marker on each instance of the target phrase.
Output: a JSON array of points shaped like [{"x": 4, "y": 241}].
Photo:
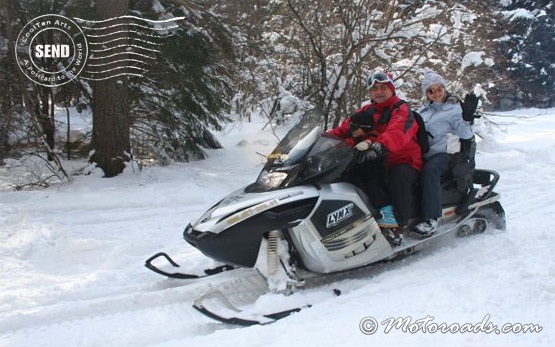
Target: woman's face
[{"x": 436, "y": 93}]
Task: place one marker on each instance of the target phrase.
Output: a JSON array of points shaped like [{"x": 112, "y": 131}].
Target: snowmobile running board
[
  {"x": 179, "y": 275},
  {"x": 230, "y": 314}
]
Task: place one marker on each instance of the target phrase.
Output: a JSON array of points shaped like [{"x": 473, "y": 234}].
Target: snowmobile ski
[
  {"x": 180, "y": 275},
  {"x": 215, "y": 305}
]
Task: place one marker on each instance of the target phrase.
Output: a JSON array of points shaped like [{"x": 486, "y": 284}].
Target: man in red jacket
[{"x": 384, "y": 131}]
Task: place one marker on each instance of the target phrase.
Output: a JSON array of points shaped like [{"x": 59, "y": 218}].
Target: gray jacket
[{"x": 445, "y": 124}]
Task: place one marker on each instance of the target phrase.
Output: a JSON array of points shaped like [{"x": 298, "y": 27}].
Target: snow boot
[
  {"x": 394, "y": 236},
  {"x": 388, "y": 219},
  {"x": 426, "y": 228}
]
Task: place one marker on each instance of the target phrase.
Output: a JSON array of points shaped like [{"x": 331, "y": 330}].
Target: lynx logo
[{"x": 337, "y": 216}]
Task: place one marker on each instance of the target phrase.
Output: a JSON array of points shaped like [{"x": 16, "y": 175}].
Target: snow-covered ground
[{"x": 71, "y": 259}]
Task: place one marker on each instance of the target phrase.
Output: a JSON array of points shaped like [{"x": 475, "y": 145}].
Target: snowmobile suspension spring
[{"x": 272, "y": 254}]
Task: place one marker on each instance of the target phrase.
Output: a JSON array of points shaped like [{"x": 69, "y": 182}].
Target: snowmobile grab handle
[
  {"x": 180, "y": 275},
  {"x": 150, "y": 266},
  {"x": 487, "y": 179}
]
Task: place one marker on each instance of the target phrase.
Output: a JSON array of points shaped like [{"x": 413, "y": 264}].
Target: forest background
[{"x": 208, "y": 63}]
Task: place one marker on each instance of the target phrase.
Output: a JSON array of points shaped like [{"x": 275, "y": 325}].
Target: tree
[
  {"x": 110, "y": 137},
  {"x": 186, "y": 92},
  {"x": 526, "y": 53},
  {"x": 26, "y": 103},
  {"x": 40, "y": 98},
  {"x": 328, "y": 49}
]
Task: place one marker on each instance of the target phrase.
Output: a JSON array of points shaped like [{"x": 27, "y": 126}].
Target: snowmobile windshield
[
  {"x": 305, "y": 155},
  {"x": 298, "y": 141},
  {"x": 291, "y": 153}
]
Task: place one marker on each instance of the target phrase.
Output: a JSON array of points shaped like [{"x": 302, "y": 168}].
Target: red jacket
[{"x": 398, "y": 135}]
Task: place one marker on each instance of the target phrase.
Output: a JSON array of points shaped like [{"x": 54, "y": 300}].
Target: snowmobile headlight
[{"x": 271, "y": 179}]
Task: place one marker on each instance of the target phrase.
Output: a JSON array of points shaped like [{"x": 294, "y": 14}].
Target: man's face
[{"x": 380, "y": 92}]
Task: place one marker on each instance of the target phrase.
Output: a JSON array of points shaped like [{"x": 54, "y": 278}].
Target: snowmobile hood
[{"x": 241, "y": 205}]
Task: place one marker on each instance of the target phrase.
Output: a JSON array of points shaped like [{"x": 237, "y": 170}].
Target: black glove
[
  {"x": 353, "y": 125},
  {"x": 469, "y": 106},
  {"x": 365, "y": 153}
]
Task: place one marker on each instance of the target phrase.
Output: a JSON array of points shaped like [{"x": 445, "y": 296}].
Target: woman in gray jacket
[{"x": 444, "y": 122}]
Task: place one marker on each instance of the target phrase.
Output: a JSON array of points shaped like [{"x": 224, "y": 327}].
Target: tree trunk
[
  {"x": 46, "y": 116},
  {"x": 110, "y": 106}
]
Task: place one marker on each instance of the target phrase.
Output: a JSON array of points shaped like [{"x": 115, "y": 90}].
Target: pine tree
[
  {"x": 110, "y": 139},
  {"x": 185, "y": 93},
  {"x": 529, "y": 44}
]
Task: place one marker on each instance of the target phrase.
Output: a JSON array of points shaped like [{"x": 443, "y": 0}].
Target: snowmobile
[{"x": 300, "y": 217}]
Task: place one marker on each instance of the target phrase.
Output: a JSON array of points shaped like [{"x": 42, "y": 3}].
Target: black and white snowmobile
[{"x": 299, "y": 219}]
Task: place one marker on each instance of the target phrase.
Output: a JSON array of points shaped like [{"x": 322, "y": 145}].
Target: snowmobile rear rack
[{"x": 179, "y": 275}]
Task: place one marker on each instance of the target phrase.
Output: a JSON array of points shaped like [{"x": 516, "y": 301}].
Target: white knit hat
[{"x": 431, "y": 78}]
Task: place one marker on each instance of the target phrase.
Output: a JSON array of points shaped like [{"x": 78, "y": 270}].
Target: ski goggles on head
[{"x": 378, "y": 77}]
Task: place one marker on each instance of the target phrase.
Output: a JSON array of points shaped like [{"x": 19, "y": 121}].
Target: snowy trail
[
  {"x": 81, "y": 268},
  {"x": 140, "y": 306},
  {"x": 71, "y": 269}
]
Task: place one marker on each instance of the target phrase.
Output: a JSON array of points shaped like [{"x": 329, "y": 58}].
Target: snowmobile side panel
[
  {"x": 333, "y": 215},
  {"x": 340, "y": 235}
]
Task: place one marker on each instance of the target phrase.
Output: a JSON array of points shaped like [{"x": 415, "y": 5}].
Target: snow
[
  {"x": 518, "y": 13},
  {"x": 472, "y": 59},
  {"x": 71, "y": 270}
]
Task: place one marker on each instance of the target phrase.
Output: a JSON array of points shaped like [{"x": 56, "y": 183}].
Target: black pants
[
  {"x": 388, "y": 186},
  {"x": 434, "y": 168}
]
